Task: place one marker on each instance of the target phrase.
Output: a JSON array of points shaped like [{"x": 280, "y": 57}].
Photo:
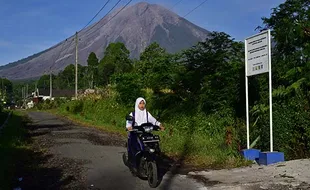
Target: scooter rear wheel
[
  {"x": 143, "y": 169},
  {"x": 125, "y": 159}
]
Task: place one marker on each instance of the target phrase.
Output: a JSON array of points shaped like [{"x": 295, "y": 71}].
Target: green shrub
[
  {"x": 76, "y": 106},
  {"x": 197, "y": 136}
]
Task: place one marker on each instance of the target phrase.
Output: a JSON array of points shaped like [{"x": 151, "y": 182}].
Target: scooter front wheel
[{"x": 152, "y": 172}]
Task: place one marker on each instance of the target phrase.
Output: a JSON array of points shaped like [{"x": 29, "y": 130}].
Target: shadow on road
[
  {"x": 178, "y": 166},
  {"x": 36, "y": 173},
  {"x": 27, "y": 165}
]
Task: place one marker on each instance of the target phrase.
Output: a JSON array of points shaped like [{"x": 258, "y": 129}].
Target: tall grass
[{"x": 198, "y": 139}]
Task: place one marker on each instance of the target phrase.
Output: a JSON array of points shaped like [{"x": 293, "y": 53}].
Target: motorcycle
[{"x": 147, "y": 153}]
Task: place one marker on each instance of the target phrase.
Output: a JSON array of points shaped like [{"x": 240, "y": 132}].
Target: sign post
[
  {"x": 270, "y": 92},
  {"x": 258, "y": 61}
]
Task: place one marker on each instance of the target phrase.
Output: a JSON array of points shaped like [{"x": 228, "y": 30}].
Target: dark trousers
[{"x": 133, "y": 148}]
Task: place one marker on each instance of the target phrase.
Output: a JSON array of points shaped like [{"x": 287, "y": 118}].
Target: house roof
[{"x": 57, "y": 92}]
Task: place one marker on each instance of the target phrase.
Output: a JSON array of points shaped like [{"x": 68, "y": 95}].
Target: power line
[
  {"x": 96, "y": 14},
  {"x": 90, "y": 27},
  {"x": 55, "y": 59},
  {"x": 195, "y": 8},
  {"x": 175, "y": 4},
  {"x": 113, "y": 16},
  {"x": 104, "y": 16},
  {"x": 67, "y": 50}
]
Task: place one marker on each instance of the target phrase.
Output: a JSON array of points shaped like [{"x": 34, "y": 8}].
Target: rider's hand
[
  {"x": 162, "y": 128},
  {"x": 129, "y": 128}
]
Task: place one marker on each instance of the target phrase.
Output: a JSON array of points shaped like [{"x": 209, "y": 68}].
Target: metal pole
[
  {"x": 247, "y": 98},
  {"x": 76, "y": 63},
  {"x": 51, "y": 87},
  {"x": 270, "y": 90},
  {"x": 2, "y": 88},
  {"x": 247, "y": 113},
  {"x": 23, "y": 100}
]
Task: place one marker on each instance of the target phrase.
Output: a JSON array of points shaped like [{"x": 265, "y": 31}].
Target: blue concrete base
[
  {"x": 266, "y": 158},
  {"x": 250, "y": 154}
]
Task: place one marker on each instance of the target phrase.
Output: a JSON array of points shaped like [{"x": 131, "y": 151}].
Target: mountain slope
[{"x": 136, "y": 26}]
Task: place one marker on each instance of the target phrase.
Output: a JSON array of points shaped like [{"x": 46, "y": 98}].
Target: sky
[{"x": 31, "y": 26}]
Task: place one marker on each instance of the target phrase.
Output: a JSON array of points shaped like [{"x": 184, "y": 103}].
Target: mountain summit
[{"x": 136, "y": 26}]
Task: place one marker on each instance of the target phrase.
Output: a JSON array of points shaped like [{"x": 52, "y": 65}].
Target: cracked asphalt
[
  {"x": 68, "y": 156},
  {"x": 90, "y": 158}
]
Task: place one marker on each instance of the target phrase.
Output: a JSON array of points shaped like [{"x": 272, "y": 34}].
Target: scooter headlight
[
  {"x": 148, "y": 129},
  {"x": 152, "y": 150}
]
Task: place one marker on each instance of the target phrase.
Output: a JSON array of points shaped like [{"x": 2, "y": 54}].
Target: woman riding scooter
[{"x": 140, "y": 116}]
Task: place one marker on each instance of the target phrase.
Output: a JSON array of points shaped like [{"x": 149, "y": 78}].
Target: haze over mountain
[{"x": 136, "y": 26}]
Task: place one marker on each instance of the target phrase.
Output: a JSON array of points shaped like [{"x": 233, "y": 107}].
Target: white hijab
[{"x": 140, "y": 115}]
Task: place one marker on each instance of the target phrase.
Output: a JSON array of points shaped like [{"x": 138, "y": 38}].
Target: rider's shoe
[{"x": 134, "y": 171}]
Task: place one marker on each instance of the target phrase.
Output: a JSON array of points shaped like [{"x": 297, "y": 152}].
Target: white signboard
[
  {"x": 257, "y": 61},
  {"x": 257, "y": 54}
]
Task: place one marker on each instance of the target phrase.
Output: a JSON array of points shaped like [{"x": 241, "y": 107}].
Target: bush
[
  {"x": 129, "y": 87},
  {"x": 198, "y": 137},
  {"x": 291, "y": 127},
  {"x": 1, "y": 107},
  {"x": 76, "y": 106}
]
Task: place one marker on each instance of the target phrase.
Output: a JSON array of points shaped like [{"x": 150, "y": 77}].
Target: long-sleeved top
[{"x": 151, "y": 119}]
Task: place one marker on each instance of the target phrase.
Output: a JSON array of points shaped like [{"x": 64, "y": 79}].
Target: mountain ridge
[{"x": 136, "y": 26}]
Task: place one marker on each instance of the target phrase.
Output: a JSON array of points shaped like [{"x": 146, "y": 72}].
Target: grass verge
[
  {"x": 194, "y": 147},
  {"x": 3, "y": 116},
  {"x": 12, "y": 144}
]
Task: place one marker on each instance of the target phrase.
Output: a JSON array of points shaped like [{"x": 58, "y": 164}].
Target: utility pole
[
  {"x": 76, "y": 63},
  {"x": 22, "y": 96},
  {"x": 2, "y": 88},
  {"x": 51, "y": 86},
  {"x": 26, "y": 91}
]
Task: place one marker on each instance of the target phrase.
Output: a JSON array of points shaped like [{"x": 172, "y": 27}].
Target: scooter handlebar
[{"x": 141, "y": 127}]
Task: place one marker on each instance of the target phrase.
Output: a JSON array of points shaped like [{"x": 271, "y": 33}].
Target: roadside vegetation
[
  {"x": 200, "y": 92},
  {"x": 13, "y": 148}
]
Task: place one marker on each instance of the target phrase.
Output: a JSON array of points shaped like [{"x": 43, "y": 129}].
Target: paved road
[{"x": 93, "y": 157}]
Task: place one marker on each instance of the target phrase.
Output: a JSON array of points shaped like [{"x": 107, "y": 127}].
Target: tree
[
  {"x": 92, "y": 69},
  {"x": 129, "y": 87},
  {"x": 66, "y": 78},
  {"x": 83, "y": 77},
  {"x": 211, "y": 73},
  {"x": 155, "y": 67},
  {"x": 289, "y": 23},
  {"x": 44, "y": 82},
  {"x": 6, "y": 90},
  {"x": 115, "y": 61}
]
